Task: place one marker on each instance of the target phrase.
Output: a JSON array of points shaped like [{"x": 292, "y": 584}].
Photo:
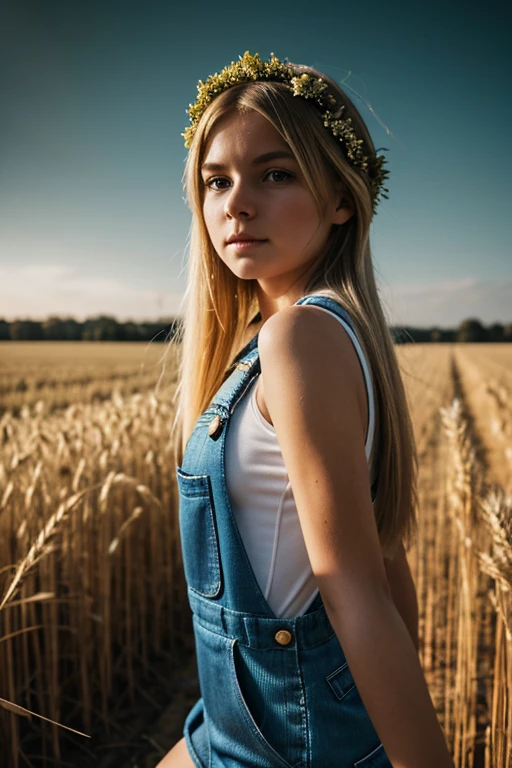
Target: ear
[{"x": 342, "y": 214}]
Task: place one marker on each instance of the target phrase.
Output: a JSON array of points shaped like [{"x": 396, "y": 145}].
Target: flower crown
[{"x": 250, "y": 68}]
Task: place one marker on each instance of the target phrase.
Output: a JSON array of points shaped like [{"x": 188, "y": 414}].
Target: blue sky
[{"x": 92, "y": 216}]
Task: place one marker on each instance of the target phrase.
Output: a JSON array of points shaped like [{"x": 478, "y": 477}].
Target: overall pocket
[
  {"x": 236, "y": 659},
  {"x": 235, "y": 739},
  {"x": 198, "y": 531}
]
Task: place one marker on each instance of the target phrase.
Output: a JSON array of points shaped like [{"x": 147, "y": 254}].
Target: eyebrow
[{"x": 276, "y": 155}]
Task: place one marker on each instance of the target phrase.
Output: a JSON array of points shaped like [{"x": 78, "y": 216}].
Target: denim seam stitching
[
  {"x": 332, "y": 674},
  {"x": 304, "y": 711}
]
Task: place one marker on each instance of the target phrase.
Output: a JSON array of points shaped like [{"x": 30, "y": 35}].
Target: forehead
[{"x": 242, "y": 136}]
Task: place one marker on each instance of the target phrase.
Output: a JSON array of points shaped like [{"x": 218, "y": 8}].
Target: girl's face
[{"x": 246, "y": 190}]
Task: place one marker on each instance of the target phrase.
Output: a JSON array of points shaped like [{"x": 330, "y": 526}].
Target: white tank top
[{"x": 262, "y": 501}]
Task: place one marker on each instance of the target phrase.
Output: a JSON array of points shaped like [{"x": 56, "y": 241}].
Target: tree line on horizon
[{"x": 108, "y": 328}]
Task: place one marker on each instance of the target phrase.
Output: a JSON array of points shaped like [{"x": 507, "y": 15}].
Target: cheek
[
  {"x": 206, "y": 212},
  {"x": 209, "y": 218},
  {"x": 301, "y": 214}
]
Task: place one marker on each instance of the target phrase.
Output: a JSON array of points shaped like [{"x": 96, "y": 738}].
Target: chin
[{"x": 246, "y": 270}]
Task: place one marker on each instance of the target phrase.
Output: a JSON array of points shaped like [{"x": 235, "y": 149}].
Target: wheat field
[{"x": 92, "y": 595}]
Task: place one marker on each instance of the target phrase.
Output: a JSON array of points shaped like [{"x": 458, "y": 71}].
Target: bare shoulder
[
  {"x": 314, "y": 391},
  {"x": 305, "y": 322},
  {"x": 319, "y": 342}
]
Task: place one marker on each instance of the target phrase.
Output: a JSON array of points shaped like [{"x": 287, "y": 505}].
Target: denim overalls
[{"x": 275, "y": 692}]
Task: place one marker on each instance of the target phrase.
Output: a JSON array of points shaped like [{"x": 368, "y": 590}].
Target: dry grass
[
  {"x": 496, "y": 514},
  {"x": 91, "y": 579},
  {"x": 91, "y": 582},
  {"x": 486, "y": 375},
  {"x": 64, "y": 373},
  {"x": 462, "y": 561}
]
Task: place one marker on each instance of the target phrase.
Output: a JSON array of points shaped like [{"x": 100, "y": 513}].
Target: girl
[{"x": 296, "y": 456}]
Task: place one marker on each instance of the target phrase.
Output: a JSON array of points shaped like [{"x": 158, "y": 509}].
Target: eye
[
  {"x": 286, "y": 173},
  {"x": 212, "y": 181},
  {"x": 215, "y": 179}
]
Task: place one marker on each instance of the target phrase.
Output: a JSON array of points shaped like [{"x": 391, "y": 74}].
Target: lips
[
  {"x": 248, "y": 240},
  {"x": 245, "y": 245},
  {"x": 245, "y": 239}
]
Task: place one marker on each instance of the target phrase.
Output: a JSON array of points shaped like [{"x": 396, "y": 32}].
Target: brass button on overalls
[{"x": 283, "y": 637}]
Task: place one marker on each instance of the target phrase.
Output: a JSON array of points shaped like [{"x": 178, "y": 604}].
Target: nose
[{"x": 239, "y": 203}]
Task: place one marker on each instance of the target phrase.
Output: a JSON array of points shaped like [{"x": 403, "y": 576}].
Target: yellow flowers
[{"x": 250, "y": 68}]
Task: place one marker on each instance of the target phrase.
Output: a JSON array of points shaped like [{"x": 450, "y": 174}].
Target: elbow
[
  {"x": 361, "y": 609},
  {"x": 349, "y": 600}
]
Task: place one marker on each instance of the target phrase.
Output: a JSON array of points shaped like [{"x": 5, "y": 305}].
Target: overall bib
[{"x": 275, "y": 692}]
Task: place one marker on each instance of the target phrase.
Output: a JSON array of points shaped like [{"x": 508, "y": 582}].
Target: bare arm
[
  {"x": 315, "y": 393},
  {"x": 403, "y": 592}
]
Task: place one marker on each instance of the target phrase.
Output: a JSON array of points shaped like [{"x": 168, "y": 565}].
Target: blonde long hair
[{"x": 217, "y": 306}]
